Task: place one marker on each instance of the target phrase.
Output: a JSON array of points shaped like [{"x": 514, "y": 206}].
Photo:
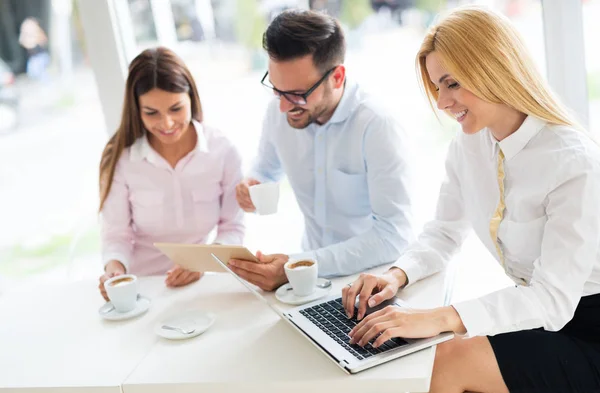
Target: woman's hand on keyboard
[
  {"x": 371, "y": 290},
  {"x": 394, "y": 321}
]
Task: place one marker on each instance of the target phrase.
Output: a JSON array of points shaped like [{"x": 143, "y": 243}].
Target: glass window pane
[
  {"x": 142, "y": 21},
  {"x": 591, "y": 31},
  {"x": 51, "y": 220},
  {"x": 51, "y": 136},
  {"x": 187, "y": 22}
]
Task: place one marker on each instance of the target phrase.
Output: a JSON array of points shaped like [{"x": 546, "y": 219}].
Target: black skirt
[{"x": 565, "y": 361}]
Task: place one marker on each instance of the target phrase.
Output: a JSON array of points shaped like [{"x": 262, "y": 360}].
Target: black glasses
[{"x": 295, "y": 98}]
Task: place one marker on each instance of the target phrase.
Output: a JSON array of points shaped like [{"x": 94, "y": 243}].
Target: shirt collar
[
  {"x": 141, "y": 148},
  {"x": 347, "y": 103},
  {"x": 515, "y": 142}
]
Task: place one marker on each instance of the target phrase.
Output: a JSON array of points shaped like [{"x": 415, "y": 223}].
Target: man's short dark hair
[{"x": 297, "y": 33}]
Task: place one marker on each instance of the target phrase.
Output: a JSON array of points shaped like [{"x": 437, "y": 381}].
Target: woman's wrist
[
  {"x": 399, "y": 275},
  {"x": 449, "y": 320},
  {"x": 114, "y": 266}
]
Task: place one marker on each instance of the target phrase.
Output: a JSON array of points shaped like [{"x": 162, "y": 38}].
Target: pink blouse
[{"x": 150, "y": 202}]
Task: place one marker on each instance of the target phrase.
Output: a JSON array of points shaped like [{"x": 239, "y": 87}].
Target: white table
[
  {"x": 52, "y": 340},
  {"x": 250, "y": 349}
]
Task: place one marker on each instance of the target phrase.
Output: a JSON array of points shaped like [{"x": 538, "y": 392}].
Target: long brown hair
[{"x": 153, "y": 68}]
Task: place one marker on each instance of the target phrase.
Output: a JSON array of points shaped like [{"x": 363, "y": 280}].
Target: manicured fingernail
[
  {"x": 232, "y": 263},
  {"x": 359, "y": 317},
  {"x": 371, "y": 302},
  {"x": 351, "y": 341}
]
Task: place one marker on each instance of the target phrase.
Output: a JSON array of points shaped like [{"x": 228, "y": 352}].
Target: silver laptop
[{"x": 325, "y": 324}]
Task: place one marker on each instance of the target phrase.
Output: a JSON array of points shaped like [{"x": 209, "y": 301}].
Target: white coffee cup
[
  {"x": 265, "y": 197},
  {"x": 302, "y": 275},
  {"x": 122, "y": 291}
]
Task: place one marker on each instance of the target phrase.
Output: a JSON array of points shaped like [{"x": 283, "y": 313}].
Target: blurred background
[{"x": 53, "y": 109}]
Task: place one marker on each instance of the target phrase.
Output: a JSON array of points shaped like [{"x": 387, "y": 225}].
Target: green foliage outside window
[
  {"x": 250, "y": 24},
  {"x": 430, "y": 5},
  {"x": 355, "y": 12}
]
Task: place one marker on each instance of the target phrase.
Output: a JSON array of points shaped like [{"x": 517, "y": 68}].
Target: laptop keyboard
[{"x": 331, "y": 318}]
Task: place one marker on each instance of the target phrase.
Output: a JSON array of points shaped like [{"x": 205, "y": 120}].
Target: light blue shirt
[{"x": 350, "y": 177}]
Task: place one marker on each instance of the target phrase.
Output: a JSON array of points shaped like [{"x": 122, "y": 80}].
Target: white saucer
[
  {"x": 143, "y": 304},
  {"x": 287, "y": 296},
  {"x": 197, "y": 320}
]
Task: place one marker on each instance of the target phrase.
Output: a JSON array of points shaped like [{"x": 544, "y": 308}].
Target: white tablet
[{"x": 198, "y": 258}]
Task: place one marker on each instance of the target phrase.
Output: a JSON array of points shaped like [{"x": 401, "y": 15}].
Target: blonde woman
[{"x": 527, "y": 181}]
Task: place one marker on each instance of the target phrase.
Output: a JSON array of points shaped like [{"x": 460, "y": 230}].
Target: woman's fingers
[
  {"x": 359, "y": 330},
  {"x": 369, "y": 285},
  {"x": 180, "y": 277},
  {"x": 376, "y": 329},
  {"x": 173, "y": 276}
]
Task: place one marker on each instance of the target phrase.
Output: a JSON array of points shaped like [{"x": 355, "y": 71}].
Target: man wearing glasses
[{"x": 344, "y": 156}]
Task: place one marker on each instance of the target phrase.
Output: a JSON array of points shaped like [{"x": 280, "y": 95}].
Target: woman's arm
[
  {"x": 395, "y": 321},
  {"x": 570, "y": 245},
  {"x": 569, "y": 252},
  {"x": 440, "y": 239},
  {"x": 115, "y": 219}
]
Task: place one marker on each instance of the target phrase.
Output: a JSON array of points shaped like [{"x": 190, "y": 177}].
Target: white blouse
[{"x": 549, "y": 234}]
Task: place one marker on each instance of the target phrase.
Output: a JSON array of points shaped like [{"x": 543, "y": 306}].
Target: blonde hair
[{"x": 487, "y": 56}]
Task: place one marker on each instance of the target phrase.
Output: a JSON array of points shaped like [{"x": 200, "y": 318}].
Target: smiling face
[
  {"x": 166, "y": 116},
  {"x": 473, "y": 113},
  {"x": 298, "y": 76}
]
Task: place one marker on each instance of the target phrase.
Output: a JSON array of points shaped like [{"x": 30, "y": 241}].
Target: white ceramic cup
[
  {"x": 122, "y": 291},
  {"x": 265, "y": 197},
  {"x": 303, "y": 279}
]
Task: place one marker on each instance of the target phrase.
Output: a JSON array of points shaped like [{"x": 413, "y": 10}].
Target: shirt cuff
[
  {"x": 475, "y": 317},
  {"x": 411, "y": 268},
  {"x": 259, "y": 177},
  {"x": 116, "y": 257}
]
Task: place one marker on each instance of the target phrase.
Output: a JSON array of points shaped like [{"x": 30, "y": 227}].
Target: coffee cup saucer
[
  {"x": 107, "y": 311},
  {"x": 185, "y": 325},
  {"x": 285, "y": 295}
]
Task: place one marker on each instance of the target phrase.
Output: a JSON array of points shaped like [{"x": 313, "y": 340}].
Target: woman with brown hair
[{"x": 164, "y": 175}]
